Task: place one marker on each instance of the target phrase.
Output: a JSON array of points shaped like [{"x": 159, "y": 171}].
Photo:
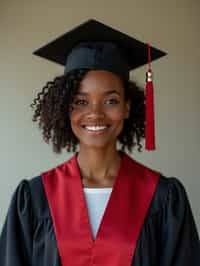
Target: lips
[
  {"x": 95, "y": 126},
  {"x": 95, "y": 132}
]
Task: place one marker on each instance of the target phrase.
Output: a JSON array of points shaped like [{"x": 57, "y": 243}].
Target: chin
[{"x": 95, "y": 144}]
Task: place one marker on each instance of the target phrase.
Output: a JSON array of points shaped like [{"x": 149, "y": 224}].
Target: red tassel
[{"x": 149, "y": 117}]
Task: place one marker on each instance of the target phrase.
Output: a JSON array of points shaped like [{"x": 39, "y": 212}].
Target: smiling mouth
[{"x": 95, "y": 131}]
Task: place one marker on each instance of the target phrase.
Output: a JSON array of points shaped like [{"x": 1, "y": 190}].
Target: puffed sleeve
[
  {"x": 180, "y": 241},
  {"x": 16, "y": 236}
]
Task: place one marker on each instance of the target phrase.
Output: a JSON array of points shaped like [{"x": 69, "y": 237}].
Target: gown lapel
[{"x": 121, "y": 223}]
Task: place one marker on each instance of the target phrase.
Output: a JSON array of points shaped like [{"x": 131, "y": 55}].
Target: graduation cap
[{"x": 94, "y": 45}]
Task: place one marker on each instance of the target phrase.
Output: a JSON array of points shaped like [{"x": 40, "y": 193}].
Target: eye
[
  {"x": 80, "y": 102},
  {"x": 112, "y": 101}
]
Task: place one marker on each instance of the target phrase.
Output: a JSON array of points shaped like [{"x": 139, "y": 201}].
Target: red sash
[{"x": 122, "y": 221}]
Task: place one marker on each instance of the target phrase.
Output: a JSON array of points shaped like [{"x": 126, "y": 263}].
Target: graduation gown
[{"x": 147, "y": 222}]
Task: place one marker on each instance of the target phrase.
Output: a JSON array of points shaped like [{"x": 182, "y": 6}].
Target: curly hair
[{"x": 52, "y": 109}]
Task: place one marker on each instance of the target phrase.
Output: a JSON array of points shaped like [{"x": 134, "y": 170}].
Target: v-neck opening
[{"x": 108, "y": 205}]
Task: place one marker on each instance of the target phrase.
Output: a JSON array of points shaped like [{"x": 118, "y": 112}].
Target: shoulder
[
  {"x": 170, "y": 191},
  {"x": 29, "y": 196},
  {"x": 67, "y": 167},
  {"x": 31, "y": 191},
  {"x": 167, "y": 188}
]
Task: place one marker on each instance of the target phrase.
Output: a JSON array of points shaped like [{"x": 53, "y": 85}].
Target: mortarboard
[{"x": 94, "y": 45}]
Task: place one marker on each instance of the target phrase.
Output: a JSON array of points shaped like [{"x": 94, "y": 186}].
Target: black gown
[{"x": 168, "y": 237}]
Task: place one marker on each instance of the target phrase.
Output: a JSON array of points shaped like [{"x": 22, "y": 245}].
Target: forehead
[{"x": 100, "y": 81}]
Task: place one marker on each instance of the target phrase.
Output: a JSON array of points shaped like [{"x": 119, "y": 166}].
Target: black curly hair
[{"x": 52, "y": 108}]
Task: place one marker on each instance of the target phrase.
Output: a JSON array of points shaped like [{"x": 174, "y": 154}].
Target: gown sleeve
[
  {"x": 16, "y": 236},
  {"x": 180, "y": 240}
]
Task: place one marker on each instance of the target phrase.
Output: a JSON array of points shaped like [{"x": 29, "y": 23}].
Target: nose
[{"x": 95, "y": 110}]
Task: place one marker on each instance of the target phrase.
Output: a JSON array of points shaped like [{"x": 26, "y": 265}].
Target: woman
[{"x": 100, "y": 207}]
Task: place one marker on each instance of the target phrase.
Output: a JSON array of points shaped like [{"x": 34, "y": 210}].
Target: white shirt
[{"x": 96, "y": 200}]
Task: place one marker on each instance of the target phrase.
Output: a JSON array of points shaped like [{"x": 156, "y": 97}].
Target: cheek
[
  {"x": 74, "y": 119},
  {"x": 117, "y": 115}
]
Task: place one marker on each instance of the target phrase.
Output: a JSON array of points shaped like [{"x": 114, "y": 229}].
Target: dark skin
[{"x": 101, "y": 104}]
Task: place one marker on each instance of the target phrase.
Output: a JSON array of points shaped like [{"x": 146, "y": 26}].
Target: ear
[{"x": 127, "y": 108}]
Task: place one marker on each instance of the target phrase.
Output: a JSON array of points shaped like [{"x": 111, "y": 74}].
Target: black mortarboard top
[
  {"x": 94, "y": 45},
  {"x": 98, "y": 46}
]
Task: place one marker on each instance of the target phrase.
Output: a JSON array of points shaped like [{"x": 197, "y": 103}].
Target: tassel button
[{"x": 149, "y": 76}]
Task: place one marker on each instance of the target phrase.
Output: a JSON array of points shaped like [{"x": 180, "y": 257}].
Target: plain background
[{"x": 172, "y": 26}]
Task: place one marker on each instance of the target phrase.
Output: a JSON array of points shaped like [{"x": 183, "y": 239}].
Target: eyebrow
[{"x": 106, "y": 92}]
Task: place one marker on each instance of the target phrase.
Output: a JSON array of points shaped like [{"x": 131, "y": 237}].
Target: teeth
[{"x": 95, "y": 128}]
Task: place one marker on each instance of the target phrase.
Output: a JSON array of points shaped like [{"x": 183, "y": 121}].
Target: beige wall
[{"x": 170, "y": 25}]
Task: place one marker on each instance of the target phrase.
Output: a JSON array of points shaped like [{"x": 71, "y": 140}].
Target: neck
[{"x": 99, "y": 166}]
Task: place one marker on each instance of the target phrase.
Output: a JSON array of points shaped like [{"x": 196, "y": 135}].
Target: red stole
[{"x": 122, "y": 221}]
